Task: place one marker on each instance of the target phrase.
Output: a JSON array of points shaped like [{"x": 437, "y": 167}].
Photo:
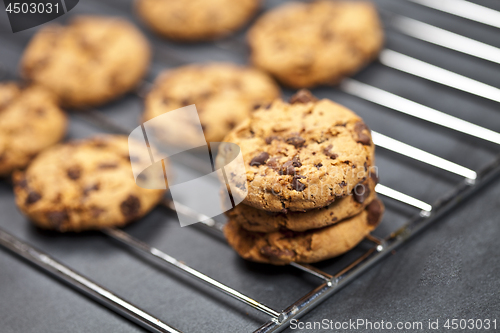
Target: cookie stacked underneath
[{"x": 310, "y": 182}]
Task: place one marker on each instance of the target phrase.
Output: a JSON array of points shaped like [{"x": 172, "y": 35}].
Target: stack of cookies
[{"x": 310, "y": 182}]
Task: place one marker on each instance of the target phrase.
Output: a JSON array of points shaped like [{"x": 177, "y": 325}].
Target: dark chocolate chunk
[
  {"x": 296, "y": 162},
  {"x": 363, "y": 138},
  {"x": 272, "y": 252},
  {"x": 32, "y": 197},
  {"x": 296, "y": 141},
  {"x": 57, "y": 218},
  {"x": 319, "y": 165},
  {"x": 104, "y": 166},
  {"x": 374, "y": 176},
  {"x": 131, "y": 207},
  {"x": 328, "y": 152},
  {"x": 303, "y": 96},
  {"x": 343, "y": 184},
  {"x": 90, "y": 188},
  {"x": 296, "y": 185},
  {"x": 288, "y": 168},
  {"x": 374, "y": 209},
  {"x": 259, "y": 159},
  {"x": 361, "y": 193},
  {"x": 270, "y": 139},
  {"x": 96, "y": 211},
  {"x": 74, "y": 172}
]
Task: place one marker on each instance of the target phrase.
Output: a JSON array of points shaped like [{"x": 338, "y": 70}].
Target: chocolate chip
[
  {"x": 231, "y": 124},
  {"x": 374, "y": 176},
  {"x": 296, "y": 162},
  {"x": 270, "y": 139},
  {"x": 361, "y": 193},
  {"x": 57, "y": 218},
  {"x": 32, "y": 197},
  {"x": 374, "y": 209},
  {"x": 40, "y": 112},
  {"x": 104, "y": 166},
  {"x": 256, "y": 106},
  {"x": 100, "y": 144},
  {"x": 259, "y": 159},
  {"x": 22, "y": 183},
  {"x": 95, "y": 212},
  {"x": 328, "y": 152},
  {"x": 273, "y": 164},
  {"x": 288, "y": 168},
  {"x": 74, "y": 173},
  {"x": 272, "y": 252},
  {"x": 296, "y": 141},
  {"x": 319, "y": 165},
  {"x": 131, "y": 207},
  {"x": 90, "y": 188},
  {"x": 303, "y": 96},
  {"x": 185, "y": 102},
  {"x": 343, "y": 184},
  {"x": 296, "y": 185},
  {"x": 363, "y": 138},
  {"x": 287, "y": 233}
]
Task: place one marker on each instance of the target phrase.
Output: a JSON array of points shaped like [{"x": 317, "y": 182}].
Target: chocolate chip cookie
[
  {"x": 30, "y": 121},
  {"x": 300, "y": 155},
  {"x": 89, "y": 62},
  {"x": 224, "y": 95},
  {"x": 196, "y": 20},
  {"x": 253, "y": 219},
  {"x": 284, "y": 246},
  {"x": 316, "y": 43},
  {"x": 84, "y": 185}
]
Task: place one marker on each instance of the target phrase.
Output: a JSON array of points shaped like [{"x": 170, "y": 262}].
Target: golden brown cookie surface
[
  {"x": 258, "y": 220},
  {"x": 84, "y": 185},
  {"x": 30, "y": 121},
  {"x": 283, "y": 247},
  {"x": 224, "y": 95},
  {"x": 196, "y": 20},
  {"x": 300, "y": 156},
  {"x": 321, "y": 42},
  {"x": 89, "y": 62}
]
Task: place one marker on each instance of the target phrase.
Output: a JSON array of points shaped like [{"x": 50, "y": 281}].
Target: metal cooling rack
[{"x": 380, "y": 247}]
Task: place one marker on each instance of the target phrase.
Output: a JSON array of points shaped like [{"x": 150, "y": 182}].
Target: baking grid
[{"x": 371, "y": 250}]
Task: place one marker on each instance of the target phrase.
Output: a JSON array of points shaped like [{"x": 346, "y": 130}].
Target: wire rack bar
[
  {"x": 444, "y": 38},
  {"x": 84, "y": 285},
  {"x": 399, "y": 147},
  {"x": 132, "y": 242},
  {"x": 464, "y": 9},
  {"x": 437, "y": 74},
  {"x": 414, "y": 109},
  {"x": 396, "y": 195}
]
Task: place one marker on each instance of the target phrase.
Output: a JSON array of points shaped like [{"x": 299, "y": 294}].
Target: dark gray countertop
[{"x": 450, "y": 270}]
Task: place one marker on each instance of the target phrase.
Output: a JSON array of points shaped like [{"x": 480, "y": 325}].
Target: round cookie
[
  {"x": 321, "y": 42},
  {"x": 89, "y": 62},
  {"x": 30, "y": 121},
  {"x": 283, "y": 247},
  {"x": 196, "y": 20},
  {"x": 224, "y": 95},
  {"x": 253, "y": 219},
  {"x": 300, "y": 156},
  {"x": 84, "y": 185}
]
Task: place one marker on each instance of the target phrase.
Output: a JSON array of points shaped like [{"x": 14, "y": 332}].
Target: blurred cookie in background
[
  {"x": 224, "y": 95},
  {"x": 91, "y": 61},
  {"x": 316, "y": 43},
  {"x": 196, "y": 20},
  {"x": 85, "y": 184},
  {"x": 30, "y": 121}
]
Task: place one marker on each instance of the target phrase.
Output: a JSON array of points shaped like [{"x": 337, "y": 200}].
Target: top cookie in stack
[{"x": 310, "y": 182}]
